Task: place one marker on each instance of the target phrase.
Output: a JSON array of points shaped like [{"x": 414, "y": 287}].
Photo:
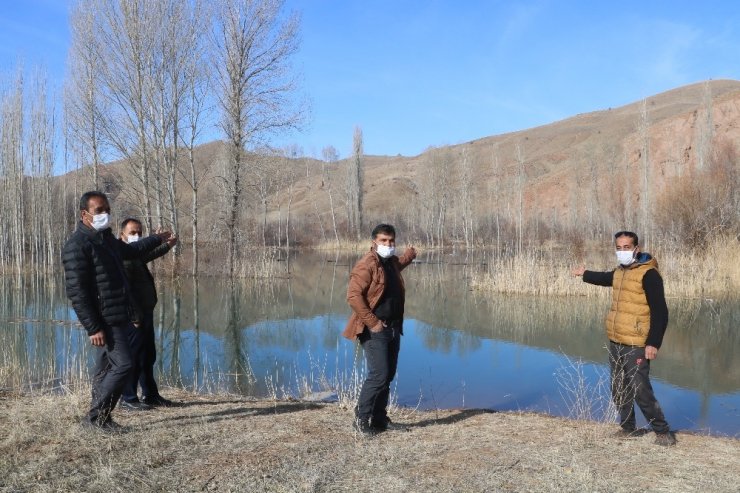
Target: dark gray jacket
[
  {"x": 95, "y": 279},
  {"x": 142, "y": 284}
]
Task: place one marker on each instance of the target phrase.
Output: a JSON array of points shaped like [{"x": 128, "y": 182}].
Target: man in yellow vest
[{"x": 635, "y": 326}]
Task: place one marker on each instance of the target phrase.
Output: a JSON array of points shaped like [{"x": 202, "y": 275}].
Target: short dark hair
[
  {"x": 386, "y": 229},
  {"x": 125, "y": 222},
  {"x": 85, "y": 199},
  {"x": 628, "y": 234}
]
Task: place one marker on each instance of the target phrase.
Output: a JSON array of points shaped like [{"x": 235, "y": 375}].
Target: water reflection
[{"x": 461, "y": 348}]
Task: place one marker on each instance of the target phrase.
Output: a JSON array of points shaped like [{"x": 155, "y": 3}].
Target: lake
[{"x": 461, "y": 348}]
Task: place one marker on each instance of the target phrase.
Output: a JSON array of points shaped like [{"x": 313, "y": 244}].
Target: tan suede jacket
[{"x": 366, "y": 285}]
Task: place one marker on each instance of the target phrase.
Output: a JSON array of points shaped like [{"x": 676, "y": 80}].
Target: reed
[
  {"x": 587, "y": 396},
  {"x": 713, "y": 272}
]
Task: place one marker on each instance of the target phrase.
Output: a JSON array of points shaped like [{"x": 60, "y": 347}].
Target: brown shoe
[{"x": 667, "y": 439}]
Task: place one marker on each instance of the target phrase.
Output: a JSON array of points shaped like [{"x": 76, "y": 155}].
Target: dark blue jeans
[
  {"x": 144, "y": 353},
  {"x": 381, "y": 353},
  {"x": 114, "y": 361},
  {"x": 630, "y": 371}
]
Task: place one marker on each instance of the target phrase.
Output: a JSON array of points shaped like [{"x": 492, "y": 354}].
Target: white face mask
[
  {"x": 101, "y": 221},
  {"x": 625, "y": 257},
  {"x": 385, "y": 251},
  {"x": 132, "y": 238}
]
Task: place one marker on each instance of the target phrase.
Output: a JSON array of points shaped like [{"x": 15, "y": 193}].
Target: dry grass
[
  {"x": 713, "y": 272},
  {"x": 529, "y": 273},
  {"x": 223, "y": 443},
  {"x": 344, "y": 245}
]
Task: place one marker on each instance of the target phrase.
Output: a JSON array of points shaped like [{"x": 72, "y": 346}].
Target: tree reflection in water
[{"x": 214, "y": 335}]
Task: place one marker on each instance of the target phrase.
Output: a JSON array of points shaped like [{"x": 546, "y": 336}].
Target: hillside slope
[{"x": 589, "y": 165}]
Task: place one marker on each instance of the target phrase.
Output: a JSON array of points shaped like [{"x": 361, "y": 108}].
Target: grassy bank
[{"x": 226, "y": 443}]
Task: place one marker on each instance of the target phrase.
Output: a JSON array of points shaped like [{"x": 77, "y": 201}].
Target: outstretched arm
[
  {"x": 156, "y": 252},
  {"x": 138, "y": 249},
  {"x": 591, "y": 277}
]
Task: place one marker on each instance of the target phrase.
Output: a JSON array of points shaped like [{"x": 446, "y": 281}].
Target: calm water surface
[{"x": 461, "y": 348}]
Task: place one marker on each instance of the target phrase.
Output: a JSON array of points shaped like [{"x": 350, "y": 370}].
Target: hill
[{"x": 602, "y": 170}]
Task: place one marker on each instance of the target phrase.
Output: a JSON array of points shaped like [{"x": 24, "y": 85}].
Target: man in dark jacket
[
  {"x": 635, "y": 326},
  {"x": 143, "y": 347},
  {"x": 96, "y": 285}
]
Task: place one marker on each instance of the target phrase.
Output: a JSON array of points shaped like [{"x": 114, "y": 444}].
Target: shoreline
[{"x": 228, "y": 443}]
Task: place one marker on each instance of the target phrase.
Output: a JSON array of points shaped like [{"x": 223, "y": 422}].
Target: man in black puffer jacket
[{"x": 96, "y": 285}]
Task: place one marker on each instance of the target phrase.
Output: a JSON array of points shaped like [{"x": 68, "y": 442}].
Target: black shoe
[
  {"x": 108, "y": 426},
  {"x": 158, "y": 401},
  {"x": 136, "y": 405},
  {"x": 380, "y": 424},
  {"x": 385, "y": 424},
  {"x": 363, "y": 427},
  {"x": 112, "y": 426}
]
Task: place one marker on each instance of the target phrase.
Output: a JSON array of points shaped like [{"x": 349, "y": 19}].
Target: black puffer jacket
[{"x": 95, "y": 279}]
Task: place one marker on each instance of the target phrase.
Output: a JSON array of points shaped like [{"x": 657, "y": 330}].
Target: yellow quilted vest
[{"x": 628, "y": 320}]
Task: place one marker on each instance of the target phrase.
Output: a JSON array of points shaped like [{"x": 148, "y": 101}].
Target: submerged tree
[{"x": 255, "y": 43}]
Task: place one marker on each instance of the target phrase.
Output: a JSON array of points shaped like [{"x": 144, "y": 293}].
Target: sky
[{"x": 414, "y": 74}]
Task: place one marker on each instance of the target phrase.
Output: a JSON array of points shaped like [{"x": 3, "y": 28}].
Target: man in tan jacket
[
  {"x": 635, "y": 326},
  {"x": 376, "y": 294}
]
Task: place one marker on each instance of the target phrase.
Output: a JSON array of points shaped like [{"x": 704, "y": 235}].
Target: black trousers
[
  {"x": 630, "y": 372},
  {"x": 381, "y": 353},
  {"x": 144, "y": 352},
  {"x": 114, "y": 361}
]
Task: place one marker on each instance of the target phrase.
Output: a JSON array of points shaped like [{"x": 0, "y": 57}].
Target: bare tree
[
  {"x": 255, "y": 43},
  {"x": 704, "y": 127},
  {"x": 84, "y": 102},
  {"x": 354, "y": 186},
  {"x": 520, "y": 194},
  {"x": 494, "y": 190},
  {"x": 330, "y": 156},
  {"x": 41, "y": 240},
  {"x": 181, "y": 45},
  {"x": 130, "y": 30},
  {"x": 196, "y": 87},
  {"x": 434, "y": 195},
  {"x": 27, "y": 137},
  {"x": 465, "y": 172},
  {"x": 643, "y": 130},
  {"x": 11, "y": 160}
]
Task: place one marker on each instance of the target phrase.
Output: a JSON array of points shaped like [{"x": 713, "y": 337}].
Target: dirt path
[{"x": 217, "y": 443}]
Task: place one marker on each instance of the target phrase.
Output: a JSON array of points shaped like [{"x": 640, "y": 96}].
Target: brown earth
[
  {"x": 569, "y": 165},
  {"x": 562, "y": 160},
  {"x": 223, "y": 443}
]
